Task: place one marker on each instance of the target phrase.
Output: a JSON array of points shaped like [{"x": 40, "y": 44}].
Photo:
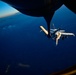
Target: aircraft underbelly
[{"x": 35, "y": 7}]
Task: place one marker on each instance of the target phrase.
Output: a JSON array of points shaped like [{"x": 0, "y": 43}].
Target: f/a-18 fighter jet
[{"x": 56, "y": 34}]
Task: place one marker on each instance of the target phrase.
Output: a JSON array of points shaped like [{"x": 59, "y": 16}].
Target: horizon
[{"x": 6, "y": 10}]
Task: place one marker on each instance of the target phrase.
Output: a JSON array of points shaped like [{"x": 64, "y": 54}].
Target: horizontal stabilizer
[{"x": 44, "y": 30}]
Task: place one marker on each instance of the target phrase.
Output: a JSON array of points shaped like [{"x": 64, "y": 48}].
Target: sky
[{"x": 6, "y": 10}]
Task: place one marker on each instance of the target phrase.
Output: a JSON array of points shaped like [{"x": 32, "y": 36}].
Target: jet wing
[{"x": 68, "y": 34}]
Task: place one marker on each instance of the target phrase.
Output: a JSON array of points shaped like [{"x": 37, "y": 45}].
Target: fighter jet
[
  {"x": 56, "y": 34},
  {"x": 41, "y": 8}
]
